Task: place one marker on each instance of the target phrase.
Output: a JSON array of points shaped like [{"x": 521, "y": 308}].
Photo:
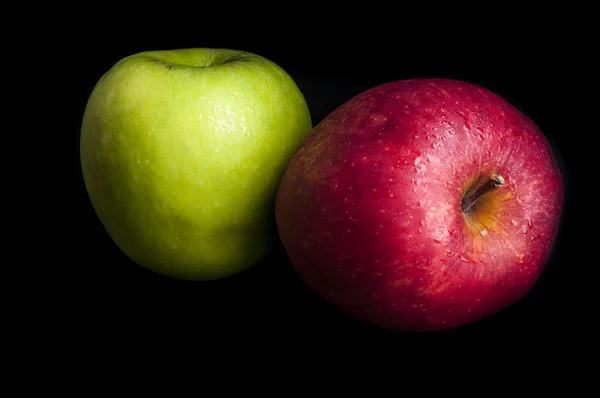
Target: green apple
[{"x": 182, "y": 152}]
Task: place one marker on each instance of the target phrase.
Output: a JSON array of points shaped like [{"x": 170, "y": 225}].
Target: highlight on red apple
[{"x": 421, "y": 205}]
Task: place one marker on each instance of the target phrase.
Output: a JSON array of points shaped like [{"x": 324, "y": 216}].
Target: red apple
[{"x": 421, "y": 205}]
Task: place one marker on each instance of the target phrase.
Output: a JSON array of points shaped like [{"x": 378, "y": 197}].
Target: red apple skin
[{"x": 369, "y": 208}]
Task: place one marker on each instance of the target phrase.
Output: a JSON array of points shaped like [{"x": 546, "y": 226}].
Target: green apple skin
[{"x": 182, "y": 152}]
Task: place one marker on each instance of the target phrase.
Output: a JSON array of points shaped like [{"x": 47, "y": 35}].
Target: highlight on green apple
[{"x": 182, "y": 152}]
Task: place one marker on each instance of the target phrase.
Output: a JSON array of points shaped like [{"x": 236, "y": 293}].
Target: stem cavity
[{"x": 475, "y": 193}]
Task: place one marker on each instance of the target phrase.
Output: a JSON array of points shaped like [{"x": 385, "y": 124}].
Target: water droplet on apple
[
  {"x": 536, "y": 237},
  {"x": 524, "y": 229},
  {"x": 514, "y": 222},
  {"x": 432, "y": 159},
  {"x": 422, "y": 222},
  {"x": 417, "y": 161},
  {"x": 530, "y": 223}
]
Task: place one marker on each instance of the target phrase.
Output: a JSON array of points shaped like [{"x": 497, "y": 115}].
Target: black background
[{"x": 533, "y": 70}]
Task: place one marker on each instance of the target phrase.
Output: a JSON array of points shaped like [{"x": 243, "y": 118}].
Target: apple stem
[{"x": 472, "y": 197}]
